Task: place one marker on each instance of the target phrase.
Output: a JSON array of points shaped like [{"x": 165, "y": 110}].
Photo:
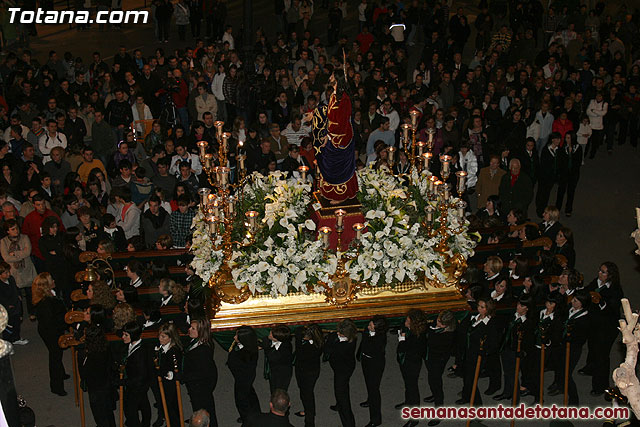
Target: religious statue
[{"x": 333, "y": 140}]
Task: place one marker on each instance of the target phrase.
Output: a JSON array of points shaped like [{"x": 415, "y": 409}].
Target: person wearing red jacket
[
  {"x": 32, "y": 227},
  {"x": 562, "y": 125}
]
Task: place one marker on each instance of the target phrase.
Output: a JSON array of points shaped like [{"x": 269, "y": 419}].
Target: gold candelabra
[{"x": 219, "y": 206}]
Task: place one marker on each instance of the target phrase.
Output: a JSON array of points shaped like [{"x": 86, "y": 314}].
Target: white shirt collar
[
  {"x": 136, "y": 283},
  {"x": 276, "y": 344},
  {"x": 477, "y": 321},
  {"x": 342, "y": 338},
  {"x": 544, "y": 315},
  {"x": 522, "y": 318},
  {"x": 603, "y": 285},
  {"x": 493, "y": 277},
  {"x": 166, "y": 347},
  {"x": 497, "y": 298},
  {"x": 133, "y": 346},
  {"x": 165, "y": 300},
  {"x": 372, "y": 333},
  {"x": 240, "y": 346},
  {"x": 573, "y": 312}
]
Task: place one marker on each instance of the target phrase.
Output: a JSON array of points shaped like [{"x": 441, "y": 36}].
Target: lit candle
[
  {"x": 420, "y": 145},
  {"x": 391, "y": 151},
  {"x": 204, "y": 194},
  {"x": 445, "y": 159},
  {"x": 324, "y": 235},
  {"x": 430, "y": 132},
  {"x": 224, "y": 174},
  {"x": 638, "y": 216},
  {"x": 225, "y": 142},
  {"x": 445, "y": 191},
  {"x": 414, "y": 118},
  {"x": 405, "y": 134},
  {"x": 340, "y": 213},
  {"x": 210, "y": 198},
  {"x": 436, "y": 187},
  {"x": 303, "y": 172},
  {"x": 216, "y": 209},
  {"x": 252, "y": 216},
  {"x": 461, "y": 207},
  {"x": 241, "y": 159},
  {"x": 212, "y": 224},
  {"x": 426, "y": 158},
  {"x": 231, "y": 204},
  {"x": 202, "y": 145},
  {"x": 431, "y": 184},
  {"x": 358, "y": 227},
  {"x": 462, "y": 177},
  {"x": 218, "y": 125},
  {"x": 430, "y": 213}
]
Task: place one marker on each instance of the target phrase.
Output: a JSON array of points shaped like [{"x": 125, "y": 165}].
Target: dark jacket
[
  {"x": 50, "y": 313},
  {"x": 517, "y": 196},
  {"x": 199, "y": 366}
]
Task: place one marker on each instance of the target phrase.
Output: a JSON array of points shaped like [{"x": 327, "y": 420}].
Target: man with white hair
[{"x": 200, "y": 418}]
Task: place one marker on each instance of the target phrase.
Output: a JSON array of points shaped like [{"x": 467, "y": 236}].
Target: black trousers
[
  {"x": 574, "y": 356},
  {"x": 372, "y": 369},
  {"x": 542, "y": 195},
  {"x": 182, "y": 32},
  {"x": 280, "y": 378},
  {"x": 508, "y": 358},
  {"x": 155, "y": 389},
  {"x": 343, "y": 398},
  {"x": 163, "y": 29},
  {"x": 531, "y": 373},
  {"x": 171, "y": 397},
  {"x": 606, "y": 336},
  {"x": 135, "y": 400},
  {"x": 101, "y": 403},
  {"x": 494, "y": 370},
  {"x": 410, "y": 372},
  {"x": 467, "y": 379},
  {"x": 597, "y": 136},
  {"x": 196, "y": 23},
  {"x": 306, "y": 380},
  {"x": 246, "y": 399},
  {"x": 571, "y": 185},
  {"x": 201, "y": 396},
  {"x": 435, "y": 370},
  {"x": 56, "y": 368}
]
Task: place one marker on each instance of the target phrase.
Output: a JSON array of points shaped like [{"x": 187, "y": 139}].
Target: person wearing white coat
[
  {"x": 596, "y": 111},
  {"x": 205, "y": 102},
  {"x": 138, "y": 107},
  {"x": 469, "y": 164},
  {"x": 216, "y": 89},
  {"x": 545, "y": 118}
]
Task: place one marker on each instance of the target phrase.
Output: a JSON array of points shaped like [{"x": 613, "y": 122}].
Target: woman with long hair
[
  {"x": 440, "y": 345},
  {"x": 96, "y": 370},
  {"x": 570, "y": 173},
  {"x": 200, "y": 371},
  {"x": 169, "y": 356},
  {"x": 412, "y": 347},
  {"x": 50, "y": 311},
  {"x": 339, "y": 349},
  {"x": 98, "y": 175},
  {"x": 309, "y": 342},
  {"x": 372, "y": 357},
  {"x": 278, "y": 353},
  {"x": 564, "y": 246},
  {"x": 137, "y": 376},
  {"x": 172, "y": 293},
  {"x": 52, "y": 245},
  {"x": 242, "y": 362}
]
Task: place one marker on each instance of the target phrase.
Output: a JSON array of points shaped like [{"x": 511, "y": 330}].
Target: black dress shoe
[
  {"x": 433, "y": 423},
  {"x": 501, "y": 396},
  {"x": 59, "y": 392},
  {"x": 597, "y": 392},
  {"x": 364, "y": 404},
  {"x": 159, "y": 422},
  {"x": 429, "y": 399},
  {"x": 585, "y": 371},
  {"x": 399, "y": 405},
  {"x": 299, "y": 414},
  {"x": 372, "y": 425},
  {"x": 524, "y": 393},
  {"x": 411, "y": 423},
  {"x": 67, "y": 376},
  {"x": 334, "y": 408},
  {"x": 491, "y": 391},
  {"x": 462, "y": 402},
  {"x": 553, "y": 386},
  {"x": 239, "y": 420},
  {"x": 555, "y": 392}
]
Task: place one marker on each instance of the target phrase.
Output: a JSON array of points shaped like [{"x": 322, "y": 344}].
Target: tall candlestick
[
  {"x": 426, "y": 158},
  {"x": 324, "y": 235},
  {"x": 225, "y": 142},
  {"x": 431, "y": 184},
  {"x": 218, "y": 125},
  {"x": 430, "y": 210},
  {"x": 224, "y": 175},
  {"x": 252, "y": 217},
  {"x": 303, "y": 172},
  {"x": 421, "y": 146},
  {"x": 231, "y": 204},
  {"x": 211, "y": 220},
  {"x": 202, "y": 145},
  {"x": 430, "y": 132},
  {"x": 241, "y": 158},
  {"x": 445, "y": 191},
  {"x": 208, "y": 161},
  {"x": 405, "y": 134},
  {"x": 414, "y": 118},
  {"x": 446, "y": 160},
  {"x": 340, "y": 213},
  {"x": 216, "y": 209},
  {"x": 638, "y": 216}
]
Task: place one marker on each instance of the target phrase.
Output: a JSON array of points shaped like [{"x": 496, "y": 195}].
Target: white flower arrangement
[{"x": 286, "y": 255}]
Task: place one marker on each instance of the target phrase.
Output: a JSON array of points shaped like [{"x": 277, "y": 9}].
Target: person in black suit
[
  {"x": 372, "y": 356},
  {"x": 549, "y": 226},
  {"x": 294, "y": 161},
  {"x": 564, "y": 246},
  {"x": 552, "y": 162},
  {"x": 570, "y": 174},
  {"x": 339, "y": 350},
  {"x": 51, "y": 245},
  {"x": 242, "y": 362},
  {"x": 12, "y": 302},
  {"x": 605, "y": 315},
  {"x": 440, "y": 343},
  {"x": 138, "y": 375},
  {"x": 519, "y": 327},
  {"x": 168, "y": 367},
  {"x": 412, "y": 348},
  {"x": 548, "y": 332},
  {"x": 501, "y": 293},
  {"x": 530, "y": 160},
  {"x": 277, "y": 416},
  {"x": 278, "y": 353},
  {"x": 96, "y": 370},
  {"x": 483, "y": 332},
  {"x": 200, "y": 371},
  {"x": 575, "y": 332},
  {"x": 50, "y": 311},
  {"x": 309, "y": 342}
]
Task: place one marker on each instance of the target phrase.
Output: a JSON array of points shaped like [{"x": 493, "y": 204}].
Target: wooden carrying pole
[
  {"x": 475, "y": 378},
  {"x": 162, "y": 395},
  {"x": 178, "y": 391},
  {"x": 542, "y": 373},
  {"x": 121, "y": 396},
  {"x": 81, "y": 402},
  {"x": 566, "y": 373},
  {"x": 74, "y": 359},
  {"x": 515, "y": 380}
]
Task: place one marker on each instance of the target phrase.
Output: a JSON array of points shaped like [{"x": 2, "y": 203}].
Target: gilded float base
[{"x": 298, "y": 308}]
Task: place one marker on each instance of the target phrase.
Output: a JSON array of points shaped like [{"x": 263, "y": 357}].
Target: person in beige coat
[
  {"x": 205, "y": 102},
  {"x": 489, "y": 181},
  {"x": 15, "y": 249}
]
